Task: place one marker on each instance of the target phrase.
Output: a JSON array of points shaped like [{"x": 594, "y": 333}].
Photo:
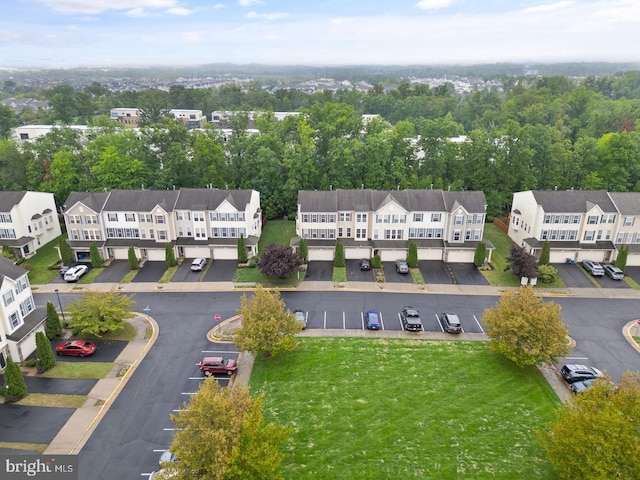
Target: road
[{"x": 135, "y": 430}]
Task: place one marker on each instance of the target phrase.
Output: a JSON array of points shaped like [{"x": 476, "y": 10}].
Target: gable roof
[
  {"x": 199, "y": 199},
  {"x": 8, "y": 200},
  {"x": 9, "y": 270},
  {"x": 93, "y": 200},
  {"x": 628, "y": 203},
  {"x": 141, "y": 200},
  {"x": 472, "y": 202},
  {"x": 577, "y": 201}
]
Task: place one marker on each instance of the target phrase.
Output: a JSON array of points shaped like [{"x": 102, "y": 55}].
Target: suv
[
  {"x": 210, "y": 365},
  {"x": 198, "y": 264},
  {"x": 372, "y": 320},
  {"x": 450, "y": 322},
  {"x": 410, "y": 317},
  {"x": 365, "y": 264},
  {"x": 65, "y": 268},
  {"x": 613, "y": 272},
  {"x": 401, "y": 266},
  {"x": 594, "y": 268},
  {"x": 579, "y": 373},
  {"x": 74, "y": 273}
]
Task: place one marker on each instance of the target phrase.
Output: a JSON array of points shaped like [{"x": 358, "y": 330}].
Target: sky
[{"x": 136, "y": 33}]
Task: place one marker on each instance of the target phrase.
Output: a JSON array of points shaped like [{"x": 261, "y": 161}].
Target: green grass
[
  {"x": 64, "y": 369},
  {"x": 39, "y": 265},
  {"x": 502, "y": 244},
  {"x": 53, "y": 400},
  {"x": 91, "y": 275},
  {"x": 168, "y": 274},
  {"x": 403, "y": 409},
  {"x": 126, "y": 333},
  {"x": 129, "y": 276},
  {"x": 277, "y": 231},
  {"x": 36, "y": 447},
  {"x": 416, "y": 275},
  {"x": 339, "y": 274}
]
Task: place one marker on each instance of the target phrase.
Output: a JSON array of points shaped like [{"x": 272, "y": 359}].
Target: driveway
[
  {"x": 67, "y": 386},
  {"x": 354, "y": 274},
  {"x": 319, "y": 271},
  {"x": 634, "y": 273},
  {"x": 435, "y": 271},
  {"x": 21, "y": 424},
  {"x": 573, "y": 276},
  {"x": 391, "y": 276},
  {"x": 115, "y": 272},
  {"x": 150, "y": 272},
  {"x": 185, "y": 274},
  {"x": 467, "y": 274},
  {"x": 221, "y": 271},
  {"x": 106, "y": 351}
]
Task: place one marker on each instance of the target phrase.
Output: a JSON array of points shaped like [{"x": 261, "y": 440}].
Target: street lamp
[{"x": 60, "y": 303}]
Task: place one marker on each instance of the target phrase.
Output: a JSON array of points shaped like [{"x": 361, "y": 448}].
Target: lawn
[
  {"x": 277, "y": 231},
  {"x": 387, "y": 408},
  {"x": 39, "y": 265},
  {"x": 64, "y": 369}
]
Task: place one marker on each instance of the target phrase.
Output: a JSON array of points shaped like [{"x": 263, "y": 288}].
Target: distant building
[
  {"x": 191, "y": 118},
  {"x": 129, "y": 117},
  {"x": 29, "y": 133}
]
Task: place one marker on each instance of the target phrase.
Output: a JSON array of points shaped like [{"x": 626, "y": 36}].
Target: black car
[
  {"x": 579, "y": 373},
  {"x": 365, "y": 264},
  {"x": 410, "y": 317},
  {"x": 450, "y": 322}
]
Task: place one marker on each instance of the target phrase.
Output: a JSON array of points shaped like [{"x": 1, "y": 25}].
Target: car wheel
[
  {"x": 82, "y": 355},
  {"x": 59, "y": 353},
  {"x": 207, "y": 373}
]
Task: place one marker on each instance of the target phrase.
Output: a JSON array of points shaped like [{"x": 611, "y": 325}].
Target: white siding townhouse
[
  {"x": 197, "y": 222},
  {"x": 579, "y": 224},
  {"x": 444, "y": 225},
  {"x": 19, "y": 317},
  {"x": 28, "y": 220}
]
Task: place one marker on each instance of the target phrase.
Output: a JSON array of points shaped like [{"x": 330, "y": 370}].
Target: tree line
[{"x": 531, "y": 133}]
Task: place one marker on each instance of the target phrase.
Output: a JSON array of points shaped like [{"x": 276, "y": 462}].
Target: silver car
[{"x": 613, "y": 272}]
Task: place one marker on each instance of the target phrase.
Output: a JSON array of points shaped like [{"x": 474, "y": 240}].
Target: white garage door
[
  {"x": 357, "y": 252},
  {"x": 156, "y": 254},
  {"x": 321, "y": 254},
  {"x": 460, "y": 256},
  {"x": 392, "y": 255},
  {"x": 561, "y": 256},
  {"x": 196, "y": 252},
  {"x": 225, "y": 253},
  {"x": 429, "y": 254},
  {"x": 121, "y": 253}
]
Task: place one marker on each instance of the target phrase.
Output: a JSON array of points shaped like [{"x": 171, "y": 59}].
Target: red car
[
  {"x": 210, "y": 365},
  {"x": 76, "y": 348}
]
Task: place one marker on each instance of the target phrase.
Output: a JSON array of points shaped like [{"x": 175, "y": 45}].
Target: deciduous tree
[
  {"x": 526, "y": 329},
  {"x": 97, "y": 313},
  {"x": 595, "y": 435},
  {"x": 279, "y": 261},
  {"x": 522, "y": 263},
  {"x": 221, "y": 434},
  {"x": 267, "y": 326}
]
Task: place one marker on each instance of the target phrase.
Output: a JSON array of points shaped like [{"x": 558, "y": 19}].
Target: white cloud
[
  {"x": 266, "y": 16},
  {"x": 434, "y": 4},
  {"x": 219, "y": 5},
  {"x": 137, "y": 13},
  {"x": 248, "y": 3},
  {"x": 99, "y": 6},
  {"x": 179, "y": 11},
  {"x": 550, "y": 7}
]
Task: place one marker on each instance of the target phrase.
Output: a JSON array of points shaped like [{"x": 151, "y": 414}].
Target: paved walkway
[{"x": 83, "y": 422}]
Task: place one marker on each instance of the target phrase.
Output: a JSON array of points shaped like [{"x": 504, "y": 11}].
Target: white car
[
  {"x": 74, "y": 273},
  {"x": 198, "y": 264}
]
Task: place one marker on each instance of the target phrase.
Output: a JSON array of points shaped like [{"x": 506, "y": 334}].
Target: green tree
[
  {"x": 304, "y": 250},
  {"x": 134, "y": 262},
  {"x": 237, "y": 443},
  {"x": 53, "y": 328},
  {"x": 279, "y": 261},
  {"x": 97, "y": 313},
  {"x": 525, "y": 329},
  {"x": 545, "y": 253},
  {"x": 412, "y": 255},
  {"x": 242, "y": 250},
  {"x": 480, "y": 255},
  {"x": 44, "y": 353},
  {"x": 621, "y": 259},
  {"x": 547, "y": 274},
  {"x": 15, "y": 387},
  {"x": 376, "y": 261},
  {"x": 267, "y": 326},
  {"x": 65, "y": 250},
  {"x": 94, "y": 255},
  {"x": 7, "y": 120},
  {"x": 338, "y": 255},
  {"x": 169, "y": 256},
  {"x": 603, "y": 419}
]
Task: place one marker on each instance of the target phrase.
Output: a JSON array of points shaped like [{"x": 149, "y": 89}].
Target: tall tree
[
  {"x": 15, "y": 387},
  {"x": 94, "y": 255},
  {"x": 480, "y": 254},
  {"x": 412, "y": 255},
  {"x": 65, "y": 250},
  {"x": 134, "y": 261},
  {"x": 169, "y": 256},
  {"x": 522, "y": 263},
  {"x": 53, "y": 328},
  {"x": 526, "y": 329},
  {"x": 97, "y": 313},
  {"x": 44, "y": 353},
  {"x": 338, "y": 255},
  {"x": 267, "y": 326},
  {"x": 545, "y": 253},
  {"x": 242, "y": 250},
  {"x": 237, "y": 443}
]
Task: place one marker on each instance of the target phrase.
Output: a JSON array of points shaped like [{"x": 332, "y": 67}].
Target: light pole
[{"x": 60, "y": 303}]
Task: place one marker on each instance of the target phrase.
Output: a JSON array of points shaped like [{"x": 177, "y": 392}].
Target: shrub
[
  {"x": 53, "y": 329},
  {"x": 480, "y": 255},
  {"x": 94, "y": 255},
  {"x": 376, "y": 261},
  {"x": 338, "y": 256},
  {"x": 547, "y": 274},
  {"x": 169, "y": 256},
  {"x": 15, "y": 387},
  {"x": 412, "y": 256},
  {"x": 134, "y": 262}
]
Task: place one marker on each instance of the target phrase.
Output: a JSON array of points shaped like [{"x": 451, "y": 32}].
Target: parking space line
[
  {"x": 220, "y": 351},
  {"x": 400, "y": 320},
  {"x": 324, "y": 321},
  {"x": 188, "y": 393},
  {"x": 362, "y": 319},
  {"x": 439, "y": 322},
  {"x": 196, "y": 378},
  {"x": 381, "y": 321},
  {"x": 344, "y": 321},
  {"x": 478, "y": 322},
  {"x": 576, "y": 358}
]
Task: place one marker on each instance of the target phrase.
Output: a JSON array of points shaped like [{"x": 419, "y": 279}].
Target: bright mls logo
[{"x": 45, "y": 467}]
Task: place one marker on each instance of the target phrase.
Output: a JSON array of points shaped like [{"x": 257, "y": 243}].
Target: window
[
  {"x": 5, "y": 218},
  {"x": 197, "y": 217},
  {"x": 340, "y": 235},
  {"x": 8, "y": 297},
  {"x": 588, "y": 235},
  {"x": 305, "y": 217},
  {"x": 26, "y": 307},
  {"x": 7, "y": 233},
  {"x": 458, "y": 219},
  {"x": 22, "y": 284},
  {"x": 628, "y": 221},
  {"x": 418, "y": 217},
  {"x": 201, "y": 232},
  {"x": 457, "y": 235},
  {"x": 145, "y": 218},
  {"x": 348, "y": 232},
  {"x": 361, "y": 233},
  {"x": 361, "y": 217},
  {"x": 73, "y": 219},
  {"x": 608, "y": 218},
  {"x": 393, "y": 234},
  {"x": 345, "y": 216},
  {"x": 91, "y": 234},
  {"x": 162, "y": 234},
  {"x": 74, "y": 234},
  {"x": 129, "y": 217},
  {"x": 436, "y": 217},
  {"x": 159, "y": 218},
  {"x": 152, "y": 234},
  {"x": 91, "y": 219},
  {"x": 592, "y": 220},
  {"x": 14, "y": 320},
  {"x": 112, "y": 217}
]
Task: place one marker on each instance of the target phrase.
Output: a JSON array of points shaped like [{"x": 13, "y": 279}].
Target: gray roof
[
  {"x": 628, "y": 203},
  {"x": 141, "y": 200},
  {"x": 8, "y": 200},
  {"x": 372, "y": 200},
  {"x": 573, "y": 201},
  {"x": 94, "y": 200},
  {"x": 200, "y": 199},
  {"x": 8, "y": 269}
]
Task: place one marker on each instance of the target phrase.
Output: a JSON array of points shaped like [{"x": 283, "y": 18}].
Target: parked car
[
  {"x": 402, "y": 266},
  {"x": 210, "y": 365},
  {"x": 577, "y": 373},
  {"x": 167, "y": 457},
  {"x": 372, "y": 320},
  {"x": 594, "y": 268},
  {"x": 581, "y": 386},
  {"x": 74, "y": 273},
  {"x": 450, "y": 322},
  {"x": 65, "y": 268},
  {"x": 301, "y": 318},
  {"x": 410, "y": 317},
  {"x": 365, "y": 264},
  {"x": 613, "y": 272},
  {"x": 162, "y": 474},
  {"x": 76, "y": 348},
  {"x": 198, "y": 264}
]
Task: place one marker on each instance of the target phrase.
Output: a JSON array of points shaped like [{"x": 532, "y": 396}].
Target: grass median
[{"x": 387, "y": 408}]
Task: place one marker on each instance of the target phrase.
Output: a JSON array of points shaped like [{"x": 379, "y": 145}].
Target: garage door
[
  {"x": 354, "y": 253},
  {"x": 429, "y": 254},
  {"x": 561, "y": 256},
  {"x": 156, "y": 255},
  {"x": 121, "y": 253},
  {"x": 196, "y": 252},
  {"x": 225, "y": 253},
  {"x": 392, "y": 255},
  {"x": 460, "y": 256},
  {"x": 321, "y": 254}
]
